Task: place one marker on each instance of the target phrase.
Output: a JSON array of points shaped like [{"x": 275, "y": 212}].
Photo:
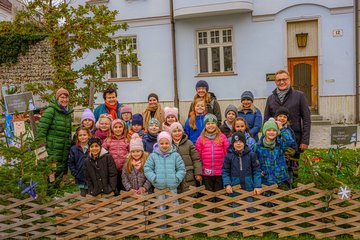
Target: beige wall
[{"x": 311, "y": 48}]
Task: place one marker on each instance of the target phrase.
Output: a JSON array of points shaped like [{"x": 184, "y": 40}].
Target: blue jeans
[
  {"x": 164, "y": 207},
  {"x": 235, "y": 204}
]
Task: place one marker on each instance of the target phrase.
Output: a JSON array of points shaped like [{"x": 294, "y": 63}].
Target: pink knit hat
[
  {"x": 176, "y": 125},
  {"x": 125, "y": 109},
  {"x": 117, "y": 121},
  {"x": 164, "y": 134},
  {"x": 136, "y": 143},
  {"x": 171, "y": 111}
]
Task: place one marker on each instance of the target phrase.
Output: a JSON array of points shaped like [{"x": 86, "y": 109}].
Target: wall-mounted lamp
[{"x": 301, "y": 39}]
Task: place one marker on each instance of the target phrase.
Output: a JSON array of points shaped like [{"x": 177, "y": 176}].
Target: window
[
  {"x": 125, "y": 71},
  {"x": 215, "y": 51}
]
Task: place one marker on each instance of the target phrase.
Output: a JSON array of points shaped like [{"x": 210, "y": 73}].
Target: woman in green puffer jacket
[{"x": 54, "y": 129}]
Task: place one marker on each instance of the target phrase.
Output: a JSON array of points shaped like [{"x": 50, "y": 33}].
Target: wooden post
[
  {"x": 91, "y": 97},
  {"x": 32, "y": 122}
]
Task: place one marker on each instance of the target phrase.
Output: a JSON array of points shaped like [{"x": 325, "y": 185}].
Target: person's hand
[
  {"x": 303, "y": 146},
  {"x": 229, "y": 189},
  {"x": 141, "y": 190},
  {"x": 257, "y": 191},
  {"x": 279, "y": 124},
  {"x": 198, "y": 178}
]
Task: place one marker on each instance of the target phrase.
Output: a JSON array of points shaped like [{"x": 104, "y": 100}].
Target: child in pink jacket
[
  {"x": 117, "y": 144},
  {"x": 212, "y": 145}
]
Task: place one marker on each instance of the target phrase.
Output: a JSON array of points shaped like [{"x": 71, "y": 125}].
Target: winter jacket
[
  {"x": 135, "y": 180},
  {"x": 101, "y": 109},
  {"x": 297, "y": 104},
  {"x": 243, "y": 169},
  {"x": 194, "y": 134},
  {"x": 212, "y": 107},
  {"x": 165, "y": 171},
  {"x": 118, "y": 149},
  {"x": 250, "y": 142},
  {"x": 254, "y": 120},
  {"x": 54, "y": 129},
  {"x": 192, "y": 162},
  {"x": 149, "y": 140},
  {"x": 212, "y": 155},
  {"x": 272, "y": 161},
  {"x": 100, "y": 173},
  {"x": 224, "y": 128},
  {"x": 76, "y": 163}
]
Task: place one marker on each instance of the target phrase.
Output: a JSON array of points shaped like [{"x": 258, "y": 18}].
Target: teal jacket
[
  {"x": 54, "y": 129},
  {"x": 164, "y": 171}
]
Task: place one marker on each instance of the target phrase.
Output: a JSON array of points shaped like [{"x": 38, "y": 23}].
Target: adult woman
[
  {"x": 153, "y": 110},
  {"x": 54, "y": 129},
  {"x": 212, "y": 105},
  {"x": 250, "y": 113},
  {"x": 111, "y": 105}
]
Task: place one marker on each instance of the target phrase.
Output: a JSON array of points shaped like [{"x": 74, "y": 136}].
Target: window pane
[
  {"x": 215, "y": 57},
  {"x": 134, "y": 70},
  {"x": 227, "y": 36},
  {"x": 124, "y": 70},
  {"x": 202, "y": 37},
  {"x": 133, "y": 44},
  {"x": 113, "y": 73},
  {"x": 228, "y": 59},
  {"x": 214, "y": 36},
  {"x": 203, "y": 60}
]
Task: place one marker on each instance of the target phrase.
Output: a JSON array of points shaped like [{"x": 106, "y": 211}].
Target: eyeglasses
[{"x": 281, "y": 80}]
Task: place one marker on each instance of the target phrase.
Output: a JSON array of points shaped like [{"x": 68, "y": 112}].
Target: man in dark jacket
[{"x": 297, "y": 104}]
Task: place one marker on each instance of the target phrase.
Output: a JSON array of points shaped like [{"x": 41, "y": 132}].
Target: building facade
[{"x": 237, "y": 46}]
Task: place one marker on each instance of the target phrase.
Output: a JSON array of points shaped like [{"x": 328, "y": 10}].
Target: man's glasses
[{"x": 281, "y": 80}]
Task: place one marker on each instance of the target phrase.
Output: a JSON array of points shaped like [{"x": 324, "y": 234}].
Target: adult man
[{"x": 111, "y": 105}]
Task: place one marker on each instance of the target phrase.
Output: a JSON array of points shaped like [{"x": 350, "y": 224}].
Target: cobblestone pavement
[{"x": 320, "y": 136}]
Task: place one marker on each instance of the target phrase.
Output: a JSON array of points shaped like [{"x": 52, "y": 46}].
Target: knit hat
[
  {"x": 238, "y": 136},
  {"x": 231, "y": 108},
  {"x": 136, "y": 143},
  {"x": 153, "y": 95},
  {"x": 283, "y": 111},
  {"x": 125, "y": 109},
  {"x": 152, "y": 121},
  {"x": 94, "y": 140},
  {"x": 270, "y": 124},
  {"x": 202, "y": 83},
  {"x": 87, "y": 114},
  {"x": 164, "y": 134},
  {"x": 171, "y": 111},
  {"x": 176, "y": 125},
  {"x": 105, "y": 115},
  {"x": 137, "y": 119},
  {"x": 247, "y": 95},
  {"x": 210, "y": 118},
  {"x": 61, "y": 91},
  {"x": 116, "y": 121}
]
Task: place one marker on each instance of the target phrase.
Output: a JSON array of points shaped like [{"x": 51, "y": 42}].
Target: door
[{"x": 304, "y": 77}]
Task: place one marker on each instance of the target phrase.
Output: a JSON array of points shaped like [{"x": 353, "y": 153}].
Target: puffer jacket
[
  {"x": 272, "y": 161},
  {"x": 194, "y": 134},
  {"x": 254, "y": 120},
  {"x": 192, "y": 162},
  {"x": 241, "y": 169},
  {"x": 135, "y": 180},
  {"x": 101, "y": 109},
  {"x": 164, "y": 171},
  {"x": 212, "y": 107},
  {"x": 54, "y": 129},
  {"x": 148, "y": 141},
  {"x": 100, "y": 173},
  {"x": 76, "y": 163},
  {"x": 212, "y": 154},
  {"x": 224, "y": 128},
  {"x": 118, "y": 149}
]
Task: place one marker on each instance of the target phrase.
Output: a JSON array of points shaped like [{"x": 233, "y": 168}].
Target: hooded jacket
[
  {"x": 76, "y": 163},
  {"x": 135, "y": 180},
  {"x": 191, "y": 160},
  {"x": 241, "y": 169},
  {"x": 54, "y": 129},
  {"x": 118, "y": 149},
  {"x": 194, "y": 134},
  {"x": 212, "y": 154},
  {"x": 254, "y": 120},
  {"x": 165, "y": 171},
  {"x": 100, "y": 173},
  {"x": 149, "y": 140}
]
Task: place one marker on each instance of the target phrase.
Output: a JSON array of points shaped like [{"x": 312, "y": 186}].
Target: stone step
[
  {"x": 321, "y": 122},
  {"x": 315, "y": 117}
]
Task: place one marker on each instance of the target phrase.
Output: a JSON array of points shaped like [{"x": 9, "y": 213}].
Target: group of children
[{"x": 111, "y": 155}]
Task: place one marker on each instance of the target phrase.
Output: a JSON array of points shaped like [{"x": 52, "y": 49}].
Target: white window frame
[
  {"x": 208, "y": 45},
  {"x": 118, "y": 65}
]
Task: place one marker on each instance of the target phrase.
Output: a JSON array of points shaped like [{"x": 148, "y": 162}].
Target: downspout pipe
[
  {"x": 173, "y": 43},
  {"x": 357, "y": 63}
]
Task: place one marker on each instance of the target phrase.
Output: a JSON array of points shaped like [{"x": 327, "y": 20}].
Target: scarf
[
  {"x": 64, "y": 109},
  {"x": 282, "y": 94},
  {"x": 100, "y": 134},
  {"x": 269, "y": 144},
  {"x": 157, "y": 113},
  {"x": 210, "y": 135},
  {"x": 112, "y": 110}
]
